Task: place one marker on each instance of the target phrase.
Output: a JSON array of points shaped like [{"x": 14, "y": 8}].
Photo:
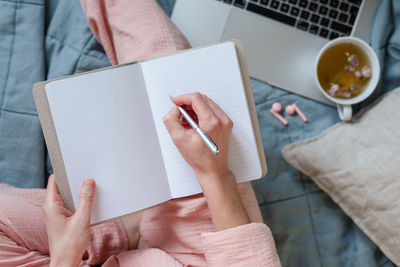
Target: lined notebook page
[
  {"x": 105, "y": 131},
  {"x": 215, "y": 72}
]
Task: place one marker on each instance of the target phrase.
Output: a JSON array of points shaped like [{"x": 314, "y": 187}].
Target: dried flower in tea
[
  {"x": 366, "y": 72},
  {"x": 346, "y": 94},
  {"x": 352, "y": 59},
  {"x": 334, "y": 90},
  {"x": 344, "y": 71},
  {"x": 357, "y": 74},
  {"x": 349, "y": 68}
]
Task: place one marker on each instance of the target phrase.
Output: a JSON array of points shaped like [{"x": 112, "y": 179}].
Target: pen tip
[{"x": 170, "y": 97}]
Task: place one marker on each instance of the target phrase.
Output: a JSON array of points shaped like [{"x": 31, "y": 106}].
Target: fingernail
[{"x": 88, "y": 185}]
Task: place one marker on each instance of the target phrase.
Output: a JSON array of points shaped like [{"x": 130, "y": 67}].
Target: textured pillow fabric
[{"x": 358, "y": 165}]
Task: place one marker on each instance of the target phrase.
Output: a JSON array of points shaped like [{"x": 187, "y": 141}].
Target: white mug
[{"x": 344, "y": 105}]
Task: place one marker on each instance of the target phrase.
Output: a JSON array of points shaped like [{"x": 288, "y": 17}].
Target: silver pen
[{"x": 203, "y": 135}]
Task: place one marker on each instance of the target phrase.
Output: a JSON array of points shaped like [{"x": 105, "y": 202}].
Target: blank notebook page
[
  {"x": 105, "y": 131},
  {"x": 213, "y": 71}
]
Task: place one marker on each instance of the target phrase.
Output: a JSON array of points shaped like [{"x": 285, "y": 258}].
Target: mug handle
[{"x": 345, "y": 112}]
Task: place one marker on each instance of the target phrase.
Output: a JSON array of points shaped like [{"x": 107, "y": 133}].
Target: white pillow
[{"x": 358, "y": 165}]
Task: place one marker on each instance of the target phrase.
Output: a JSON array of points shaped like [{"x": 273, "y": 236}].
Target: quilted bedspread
[{"x": 44, "y": 39}]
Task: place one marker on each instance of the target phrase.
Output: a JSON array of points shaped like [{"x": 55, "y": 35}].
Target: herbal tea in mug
[{"x": 344, "y": 70}]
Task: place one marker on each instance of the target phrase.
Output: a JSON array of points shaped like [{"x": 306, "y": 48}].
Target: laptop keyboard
[{"x": 326, "y": 18}]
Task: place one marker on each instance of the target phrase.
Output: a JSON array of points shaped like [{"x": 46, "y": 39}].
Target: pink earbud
[
  {"x": 293, "y": 109},
  {"x": 276, "y": 108}
]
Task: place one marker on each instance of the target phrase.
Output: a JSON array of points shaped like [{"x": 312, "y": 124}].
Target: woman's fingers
[
  {"x": 52, "y": 195},
  {"x": 198, "y": 104},
  {"x": 52, "y": 190},
  {"x": 53, "y": 203},
  {"x": 86, "y": 196},
  {"x": 218, "y": 111},
  {"x": 172, "y": 123}
]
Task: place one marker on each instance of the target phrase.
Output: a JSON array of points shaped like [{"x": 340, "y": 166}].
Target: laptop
[{"x": 281, "y": 38}]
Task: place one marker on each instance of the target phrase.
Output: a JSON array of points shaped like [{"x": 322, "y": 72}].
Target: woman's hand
[
  {"x": 215, "y": 178},
  {"x": 69, "y": 234},
  {"x": 214, "y": 122}
]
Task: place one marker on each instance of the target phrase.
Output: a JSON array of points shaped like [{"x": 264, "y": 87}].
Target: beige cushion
[{"x": 358, "y": 165}]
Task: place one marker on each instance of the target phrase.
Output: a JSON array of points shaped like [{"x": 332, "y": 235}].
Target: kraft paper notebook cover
[{"x": 107, "y": 124}]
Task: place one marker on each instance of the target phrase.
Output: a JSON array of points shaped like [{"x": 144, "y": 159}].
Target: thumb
[
  {"x": 51, "y": 191},
  {"x": 86, "y": 196}
]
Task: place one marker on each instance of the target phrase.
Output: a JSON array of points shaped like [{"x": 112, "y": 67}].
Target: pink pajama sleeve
[
  {"x": 184, "y": 230},
  {"x": 246, "y": 245}
]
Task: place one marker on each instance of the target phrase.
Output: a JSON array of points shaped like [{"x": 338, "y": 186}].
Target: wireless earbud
[
  {"x": 276, "y": 108},
  {"x": 293, "y": 109}
]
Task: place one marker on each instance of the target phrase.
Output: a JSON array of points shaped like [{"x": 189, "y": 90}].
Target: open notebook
[{"x": 108, "y": 125}]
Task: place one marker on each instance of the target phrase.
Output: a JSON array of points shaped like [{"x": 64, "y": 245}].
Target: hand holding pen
[
  {"x": 200, "y": 144},
  {"x": 203, "y": 135},
  {"x": 212, "y": 171}
]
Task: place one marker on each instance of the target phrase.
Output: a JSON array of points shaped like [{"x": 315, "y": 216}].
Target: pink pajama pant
[{"x": 170, "y": 232}]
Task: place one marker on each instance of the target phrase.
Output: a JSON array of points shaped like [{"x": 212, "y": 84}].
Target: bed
[{"x": 46, "y": 39}]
